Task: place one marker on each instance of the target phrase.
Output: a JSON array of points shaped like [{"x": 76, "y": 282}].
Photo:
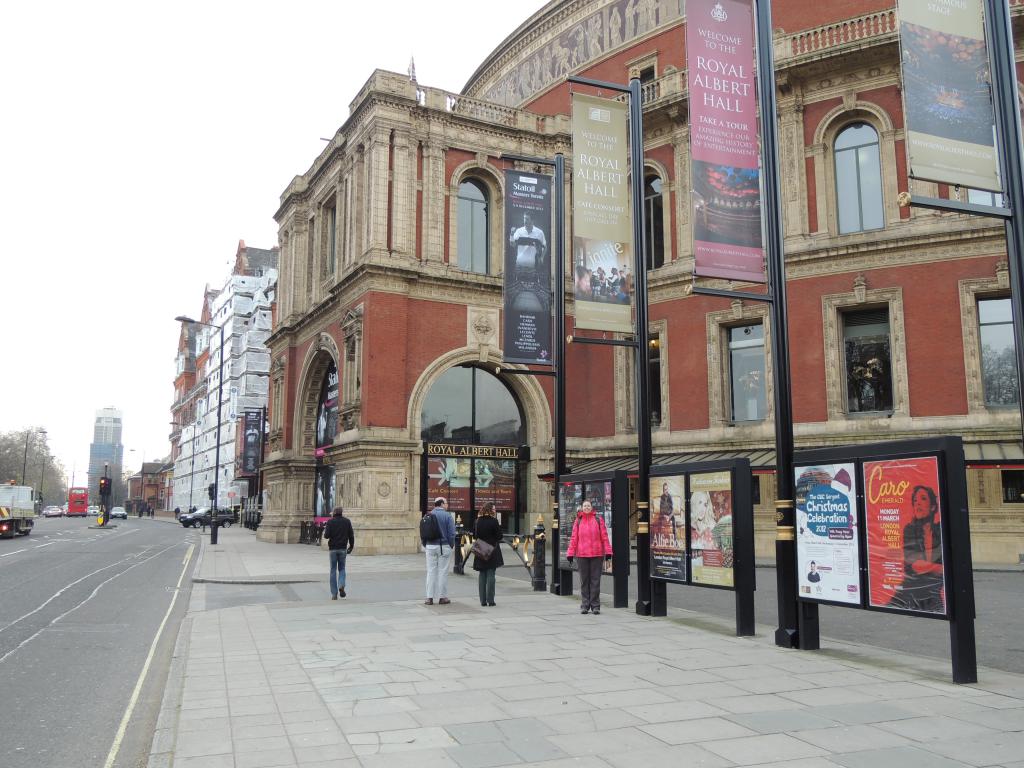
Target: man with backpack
[{"x": 437, "y": 534}]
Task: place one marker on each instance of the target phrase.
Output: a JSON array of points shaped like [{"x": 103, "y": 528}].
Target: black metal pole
[
  {"x": 650, "y": 595},
  {"x": 216, "y": 455},
  {"x": 798, "y": 622},
  {"x": 24, "y": 460},
  {"x": 1011, "y": 167},
  {"x": 561, "y": 581}
]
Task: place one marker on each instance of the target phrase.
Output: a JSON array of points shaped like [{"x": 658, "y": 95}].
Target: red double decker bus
[{"x": 78, "y": 502}]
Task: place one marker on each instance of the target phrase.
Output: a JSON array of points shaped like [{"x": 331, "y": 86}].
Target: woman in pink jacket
[{"x": 589, "y": 543}]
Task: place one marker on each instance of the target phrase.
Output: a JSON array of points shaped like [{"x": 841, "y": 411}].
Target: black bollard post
[
  {"x": 540, "y": 582},
  {"x": 460, "y": 563}
]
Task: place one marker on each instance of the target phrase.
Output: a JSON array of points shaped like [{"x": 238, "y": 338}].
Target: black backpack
[{"x": 430, "y": 530}]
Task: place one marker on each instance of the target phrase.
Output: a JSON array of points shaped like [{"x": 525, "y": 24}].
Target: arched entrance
[{"x": 474, "y": 436}]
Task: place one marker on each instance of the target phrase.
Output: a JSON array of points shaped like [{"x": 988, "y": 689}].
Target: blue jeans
[{"x": 337, "y": 569}]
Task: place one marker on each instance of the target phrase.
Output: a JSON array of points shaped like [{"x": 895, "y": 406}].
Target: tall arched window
[
  {"x": 858, "y": 179},
  {"x": 470, "y": 405},
  {"x": 654, "y": 223},
  {"x": 472, "y": 224}
]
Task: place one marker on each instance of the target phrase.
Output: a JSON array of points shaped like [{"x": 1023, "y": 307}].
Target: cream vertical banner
[{"x": 602, "y": 215}]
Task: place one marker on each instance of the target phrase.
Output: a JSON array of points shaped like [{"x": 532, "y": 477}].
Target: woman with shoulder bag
[{"x": 488, "y": 531}]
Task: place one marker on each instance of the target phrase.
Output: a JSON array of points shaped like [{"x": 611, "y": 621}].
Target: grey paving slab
[
  {"x": 381, "y": 680},
  {"x": 897, "y": 757}
]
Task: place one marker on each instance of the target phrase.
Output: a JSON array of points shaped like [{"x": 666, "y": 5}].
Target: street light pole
[{"x": 220, "y": 409}]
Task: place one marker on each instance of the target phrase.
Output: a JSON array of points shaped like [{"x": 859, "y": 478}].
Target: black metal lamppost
[{"x": 220, "y": 404}]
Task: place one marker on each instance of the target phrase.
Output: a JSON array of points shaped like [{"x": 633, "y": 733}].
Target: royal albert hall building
[{"x": 387, "y": 334}]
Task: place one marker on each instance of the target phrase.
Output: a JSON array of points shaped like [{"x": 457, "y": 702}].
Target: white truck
[{"x": 17, "y": 511}]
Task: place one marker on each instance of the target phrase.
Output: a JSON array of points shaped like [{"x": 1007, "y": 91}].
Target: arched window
[
  {"x": 470, "y": 405},
  {"x": 472, "y": 224},
  {"x": 654, "y": 223},
  {"x": 858, "y": 179}
]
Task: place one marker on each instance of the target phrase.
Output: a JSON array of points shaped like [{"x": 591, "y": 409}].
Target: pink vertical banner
[{"x": 724, "y": 169}]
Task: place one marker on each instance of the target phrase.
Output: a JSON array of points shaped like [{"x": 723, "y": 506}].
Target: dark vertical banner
[
  {"x": 327, "y": 415},
  {"x": 725, "y": 175},
  {"x": 946, "y": 95},
  {"x": 903, "y": 520},
  {"x": 602, "y": 215},
  {"x": 252, "y": 432},
  {"x": 323, "y": 504},
  {"x": 527, "y": 312}
]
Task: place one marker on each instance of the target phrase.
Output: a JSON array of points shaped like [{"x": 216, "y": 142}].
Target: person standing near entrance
[
  {"x": 340, "y": 541},
  {"x": 589, "y": 543},
  {"x": 488, "y": 529},
  {"x": 438, "y": 538}
]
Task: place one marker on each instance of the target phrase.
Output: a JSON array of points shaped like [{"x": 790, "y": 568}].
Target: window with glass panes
[
  {"x": 654, "y": 223},
  {"x": 858, "y": 179},
  {"x": 1013, "y": 486},
  {"x": 654, "y": 380},
  {"x": 998, "y": 354},
  {"x": 472, "y": 227},
  {"x": 868, "y": 359},
  {"x": 747, "y": 372}
]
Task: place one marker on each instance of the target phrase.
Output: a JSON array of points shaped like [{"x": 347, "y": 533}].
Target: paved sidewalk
[{"x": 379, "y": 679}]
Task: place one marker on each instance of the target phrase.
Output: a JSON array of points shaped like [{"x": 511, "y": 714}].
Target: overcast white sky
[{"x": 139, "y": 142}]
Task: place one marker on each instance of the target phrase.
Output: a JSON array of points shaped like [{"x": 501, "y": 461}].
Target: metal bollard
[
  {"x": 460, "y": 560},
  {"x": 540, "y": 571}
]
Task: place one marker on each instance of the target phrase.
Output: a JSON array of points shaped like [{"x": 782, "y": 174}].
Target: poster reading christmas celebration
[
  {"x": 711, "y": 529},
  {"x": 903, "y": 520},
  {"x": 668, "y": 528},
  {"x": 828, "y": 559},
  {"x": 602, "y": 215},
  {"x": 725, "y": 173},
  {"x": 946, "y": 93}
]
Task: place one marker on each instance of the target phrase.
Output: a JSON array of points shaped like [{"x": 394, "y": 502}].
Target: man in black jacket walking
[{"x": 340, "y": 541}]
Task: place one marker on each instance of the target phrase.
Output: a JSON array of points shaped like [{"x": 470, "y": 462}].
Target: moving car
[
  {"x": 203, "y": 516},
  {"x": 118, "y": 512},
  {"x": 92, "y": 511},
  {"x": 52, "y": 511}
]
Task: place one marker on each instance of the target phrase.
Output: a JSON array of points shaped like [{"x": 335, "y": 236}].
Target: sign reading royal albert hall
[
  {"x": 725, "y": 175},
  {"x": 602, "y": 215}
]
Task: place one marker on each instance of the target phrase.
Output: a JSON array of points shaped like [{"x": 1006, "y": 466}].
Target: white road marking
[
  {"x": 93, "y": 594},
  {"x": 8, "y": 554},
  {"x": 47, "y": 544},
  {"x": 119, "y": 737}
]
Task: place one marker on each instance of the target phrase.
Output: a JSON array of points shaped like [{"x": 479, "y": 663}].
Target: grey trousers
[{"x": 590, "y": 582}]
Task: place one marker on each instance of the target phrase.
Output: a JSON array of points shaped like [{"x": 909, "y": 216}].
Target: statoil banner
[
  {"x": 602, "y": 215},
  {"x": 946, "y": 96},
  {"x": 724, "y": 168},
  {"x": 903, "y": 518},
  {"x": 527, "y": 310}
]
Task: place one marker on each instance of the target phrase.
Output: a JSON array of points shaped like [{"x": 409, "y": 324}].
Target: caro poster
[
  {"x": 711, "y": 550},
  {"x": 903, "y": 520},
  {"x": 724, "y": 172},
  {"x": 527, "y": 278},
  {"x": 946, "y": 94},
  {"x": 668, "y": 528},
  {"x": 828, "y": 558},
  {"x": 602, "y": 215}
]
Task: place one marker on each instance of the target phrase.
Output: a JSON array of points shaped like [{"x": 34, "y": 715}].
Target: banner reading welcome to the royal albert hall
[
  {"x": 725, "y": 176},
  {"x": 602, "y": 215},
  {"x": 903, "y": 518},
  {"x": 527, "y": 309},
  {"x": 946, "y": 95}
]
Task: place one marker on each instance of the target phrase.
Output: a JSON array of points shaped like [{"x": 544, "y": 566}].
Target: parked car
[
  {"x": 93, "y": 511},
  {"x": 118, "y": 512},
  {"x": 53, "y": 511}
]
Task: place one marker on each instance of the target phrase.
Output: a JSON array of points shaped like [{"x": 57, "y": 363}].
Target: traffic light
[
  {"x": 104, "y": 486},
  {"x": 211, "y": 490}
]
